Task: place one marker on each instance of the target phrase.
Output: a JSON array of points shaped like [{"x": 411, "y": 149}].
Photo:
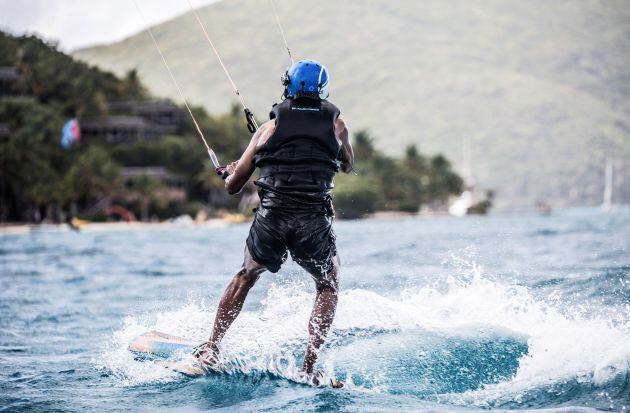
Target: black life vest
[{"x": 301, "y": 157}]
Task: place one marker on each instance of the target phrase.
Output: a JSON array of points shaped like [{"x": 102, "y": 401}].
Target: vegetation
[
  {"x": 482, "y": 207},
  {"x": 41, "y": 180},
  {"x": 389, "y": 184}
]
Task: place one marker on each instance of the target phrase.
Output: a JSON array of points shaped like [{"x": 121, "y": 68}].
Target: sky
[{"x": 76, "y": 24}]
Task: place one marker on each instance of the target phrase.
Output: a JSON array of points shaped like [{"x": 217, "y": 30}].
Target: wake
[{"x": 471, "y": 342}]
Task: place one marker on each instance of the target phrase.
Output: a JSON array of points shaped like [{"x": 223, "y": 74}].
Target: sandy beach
[{"x": 24, "y": 228}]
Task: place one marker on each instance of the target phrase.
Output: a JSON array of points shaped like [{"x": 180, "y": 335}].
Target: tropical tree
[{"x": 93, "y": 176}]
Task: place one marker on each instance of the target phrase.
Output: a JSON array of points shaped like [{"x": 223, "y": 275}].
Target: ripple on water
[{"x": 536, "y": 317}]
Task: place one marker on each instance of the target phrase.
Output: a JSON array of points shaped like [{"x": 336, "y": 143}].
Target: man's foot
[
  {"x": 313, "y": 379},
  {"x": 336, "y": 384},
  {"x": 207, "y": 355},
  {"x": 318, "y": 379}
]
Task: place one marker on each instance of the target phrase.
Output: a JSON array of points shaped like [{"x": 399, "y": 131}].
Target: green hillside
[
  {"x": 541, "y": 89},
  {"x": 116, "y": 169}
]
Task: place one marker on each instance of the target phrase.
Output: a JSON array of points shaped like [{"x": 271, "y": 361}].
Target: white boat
[
  {"x": 462, "y": 204},
  {"x": 464, "y": 201}
]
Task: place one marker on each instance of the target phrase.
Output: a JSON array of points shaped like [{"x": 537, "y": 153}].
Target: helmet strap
[{"x": 285, "y": 80}]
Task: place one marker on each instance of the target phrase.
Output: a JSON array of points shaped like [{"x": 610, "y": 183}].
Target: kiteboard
[
  {"x": 163, "y": 345},
  {"x": 155, "y": 343}
]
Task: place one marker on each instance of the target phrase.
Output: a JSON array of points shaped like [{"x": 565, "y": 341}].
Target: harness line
[
  {"x": 284, "y": 38},
  {"x": 211, "y": 153},
  {"x": 251, "y": 121}
]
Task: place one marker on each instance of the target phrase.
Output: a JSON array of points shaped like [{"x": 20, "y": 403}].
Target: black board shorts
[{"x": 307, "y": 235}]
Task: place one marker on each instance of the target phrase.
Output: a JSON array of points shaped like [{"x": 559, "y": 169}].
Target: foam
[{"x": 562, "y": 345}]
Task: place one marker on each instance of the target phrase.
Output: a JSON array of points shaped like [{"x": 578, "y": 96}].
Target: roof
[
  {"x": 143, "y": 105},
  {"x": 155, "y": 171},
  {"x": 114, "y": 121}
]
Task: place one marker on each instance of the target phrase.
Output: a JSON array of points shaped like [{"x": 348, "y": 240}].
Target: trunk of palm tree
[
  {"x": 144, "y": 209},
  {"x": 49, "y": 212}
]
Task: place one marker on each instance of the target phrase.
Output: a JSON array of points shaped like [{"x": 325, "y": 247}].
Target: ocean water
[{"x": 506, "y": 312}]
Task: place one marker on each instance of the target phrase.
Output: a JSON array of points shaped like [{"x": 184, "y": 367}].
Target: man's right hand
[{"x": 240, "y": 171}]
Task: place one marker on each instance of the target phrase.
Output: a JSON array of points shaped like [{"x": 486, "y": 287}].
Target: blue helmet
[{"x": 306, "y": 78}]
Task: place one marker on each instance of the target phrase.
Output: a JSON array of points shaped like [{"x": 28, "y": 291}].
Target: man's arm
[
  {"x": 341, "y": 131},
  {"x": 241, "y": 170}
]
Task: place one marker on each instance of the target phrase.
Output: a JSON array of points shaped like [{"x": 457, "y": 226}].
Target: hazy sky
[{"x": 79, "y": 23}]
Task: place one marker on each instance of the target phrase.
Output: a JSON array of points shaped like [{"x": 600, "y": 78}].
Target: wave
[{"x": 466, "y": 341}]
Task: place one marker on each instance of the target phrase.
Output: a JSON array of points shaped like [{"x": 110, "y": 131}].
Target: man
[{"x": 298, "y": 152}]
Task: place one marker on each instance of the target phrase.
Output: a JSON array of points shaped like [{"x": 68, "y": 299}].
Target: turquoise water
[{"x": 509, "y": 312}]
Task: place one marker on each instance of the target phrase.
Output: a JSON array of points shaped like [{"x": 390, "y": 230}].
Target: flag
[{"x": 70, "y": 133}]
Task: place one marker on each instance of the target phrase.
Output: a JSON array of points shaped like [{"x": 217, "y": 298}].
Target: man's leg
[
  {"x": 322, "y": 315},
  {"x": 230, "y": 305}
]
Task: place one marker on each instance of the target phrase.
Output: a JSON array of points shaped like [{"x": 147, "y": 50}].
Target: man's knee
[
  {"x": 329, "y": 281},
  {"x": 326, "y": 286},
  {"x": 249, "y": 273}
]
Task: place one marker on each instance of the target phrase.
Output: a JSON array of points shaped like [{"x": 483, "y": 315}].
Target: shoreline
[
  {"x": 22, "y": 228},
  {"x": 27, "y": 228}
]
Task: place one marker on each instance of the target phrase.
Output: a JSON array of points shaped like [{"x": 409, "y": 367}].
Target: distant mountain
[{"x": 540, "y": 89}]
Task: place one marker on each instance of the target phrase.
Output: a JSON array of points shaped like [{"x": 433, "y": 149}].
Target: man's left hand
[{"x": 231, "y": 167}]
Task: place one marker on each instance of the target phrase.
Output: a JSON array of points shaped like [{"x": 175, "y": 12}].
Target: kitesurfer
[{"x": 298, "y": 152}]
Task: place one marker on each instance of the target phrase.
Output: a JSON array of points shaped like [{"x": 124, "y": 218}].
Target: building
[
  {"x": 172, "y": 184},
  {"x": 165, "y": 116},
  {"x": 133, "y": 121},
  {"x": 118, "y": 129},
  {"x": 4, "y": 130},
  {"x": 159, "y": 173},
  {"x": 9, "y": 81}
]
